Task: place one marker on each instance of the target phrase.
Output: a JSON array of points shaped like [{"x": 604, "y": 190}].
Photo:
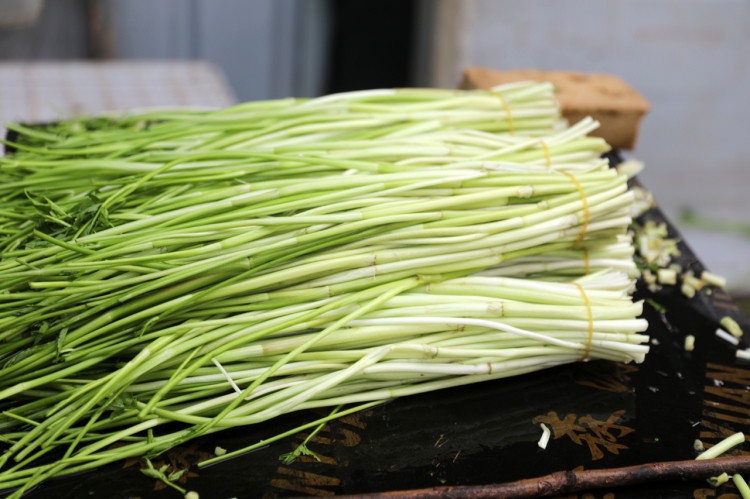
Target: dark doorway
[{"x": 371, "y": 44}]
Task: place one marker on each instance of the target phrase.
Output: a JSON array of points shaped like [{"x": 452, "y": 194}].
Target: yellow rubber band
[
  {"x": 586, "y": 214},
  {"x": 547, "y": 154},
  {"x": 586, "y": 261},
  {"x": 507, "y": 112},
  {"x": 591, "y": 322}
]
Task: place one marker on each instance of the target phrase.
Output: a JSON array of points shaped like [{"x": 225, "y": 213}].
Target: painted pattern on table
[
  {"x": 292, "y": 477},
  {"x": 179, "y": 459},
  {"x": 596, "y": 434}
]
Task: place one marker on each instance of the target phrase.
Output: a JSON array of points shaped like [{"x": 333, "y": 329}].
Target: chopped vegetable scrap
[
  {"x": 717, "y": 481},
  {"x": 723, "y": 446},
  {"x": 545, "y": 436}
]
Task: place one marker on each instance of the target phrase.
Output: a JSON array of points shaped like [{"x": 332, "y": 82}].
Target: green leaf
[
  {"x": 175, "y": 475},
  {"x": 37, "y": 244},
  {"x": 38, "y": 331},
  {"x": 152, "y": 473},
  {"x": 85, "y": 204},
  {"x": 290, "y": 457},
  {"x": 55, "y": 207},
  {"x": 60, "y": 342},
  {"x": 123, "y": 402},
  {"x": 159, "y": 475},
  {"x": 23, "y": 311},
  {"x": 38, "y": 337},
  {"x": 23, "y": 354}
]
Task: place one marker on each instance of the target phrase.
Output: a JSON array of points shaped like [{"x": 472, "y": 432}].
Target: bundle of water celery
[{"x": 171, "y": 274}]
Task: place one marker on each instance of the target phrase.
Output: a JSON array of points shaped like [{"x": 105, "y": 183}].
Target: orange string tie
[
  {"x": 507, "y": 112},
  {"x": 591, "y": 322},
  {"x": 586, "y": 214},
  {"x": 547, "y": 155}
]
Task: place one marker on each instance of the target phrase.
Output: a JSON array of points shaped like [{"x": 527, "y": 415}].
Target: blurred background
[{"x": 690, "y": 58}]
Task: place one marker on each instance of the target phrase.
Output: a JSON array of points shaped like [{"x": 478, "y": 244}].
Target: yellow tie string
[
  {"x": 586, "y": 214},
  {"x": 591, "y": 322},
  {"x": 547, "y": 155},
  {"x": 507, "y": 112}
]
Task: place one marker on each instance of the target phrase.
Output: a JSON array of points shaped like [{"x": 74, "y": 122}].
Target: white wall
[
  {"x": 690, "y": 58},
  {"x": 267, "y": 48}
]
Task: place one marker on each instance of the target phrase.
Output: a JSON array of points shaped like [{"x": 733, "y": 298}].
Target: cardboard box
[{"x": 606, "y": 98}]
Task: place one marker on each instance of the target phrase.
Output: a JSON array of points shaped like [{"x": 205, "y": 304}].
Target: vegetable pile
[{"x": 172, "y": 274}]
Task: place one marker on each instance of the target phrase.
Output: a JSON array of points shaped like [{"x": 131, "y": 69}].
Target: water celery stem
[{"x": 218, "y": 269}]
